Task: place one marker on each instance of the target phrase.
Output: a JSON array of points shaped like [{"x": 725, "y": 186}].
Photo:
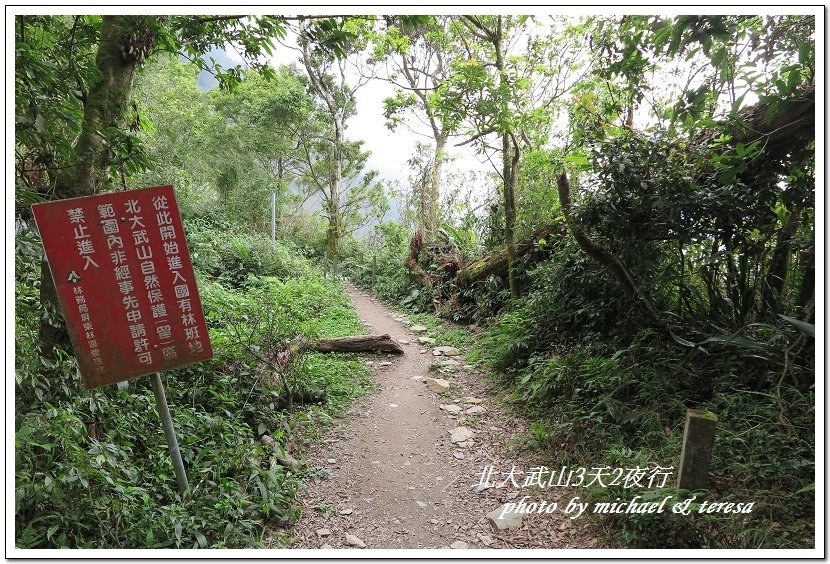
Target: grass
[
  {"x": 627, "y": 410},
  {"x": 344, "y": 376},
  {"x": 92, "y": 470}
]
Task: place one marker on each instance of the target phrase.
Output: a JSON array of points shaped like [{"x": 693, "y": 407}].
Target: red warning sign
[{"x": 125, "y": 283}]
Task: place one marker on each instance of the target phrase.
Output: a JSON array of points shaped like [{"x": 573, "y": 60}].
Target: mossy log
[{"x": 496, "y": 262}]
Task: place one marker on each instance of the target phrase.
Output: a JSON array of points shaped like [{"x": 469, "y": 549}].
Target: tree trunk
[
  {"x": 359, "y": 343},
  {"x": 433, "y": 188},
  {"x": 52, "y": 332},
  {"x": 510, "y": 170},
  {"x": 336, "y": 179},
  {"x": 806, "y": 292},
  {"x": 416, "y": 245},
  {"x": 511, "y": 180},
  {"x": 430, "y": 188},
  {"x": 338, "y": 117},
  {"x": 278, "y": 189},
  {"x": 602, "y": 256},
  {"x": 776, "y": 277},
  {"x": 332, "y": 234},
  {"x": 125, "y": 42},
  {"x": 420, "y": 193},
  {"x": 790, "y": 130},
  {"x": 497, "y": 263}
]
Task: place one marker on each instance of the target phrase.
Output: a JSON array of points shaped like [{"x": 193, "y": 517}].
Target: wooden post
[{"x": 698, "y": 440}]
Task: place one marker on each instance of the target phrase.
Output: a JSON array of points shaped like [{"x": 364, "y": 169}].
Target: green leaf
[
  {"x": 200, "y": 538},
  {"x": 578, "y": 161},
  {"x": 736, "y": 339},
  {"x": 686, "y": 343},
  {"x": 681, "y": 340},
  {"x": 793, "y": 79},
  {"x": 740, "y": 150},
  {"x": 808, "y": 488},
  {"x": 805, "y": 53},
  {"x": 727, "y": 177},
  {"x": 772, "y": 110},
  {"x": 263, "y": 491},
  {"x": 807, "y": 328},
  {"x": 22, "y": 435}
]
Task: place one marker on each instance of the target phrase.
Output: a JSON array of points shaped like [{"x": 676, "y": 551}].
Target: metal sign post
[
  {"x": 127, "y": 290},
  {"x": 273, "y": 217},
  {"x": 169, "y": 432}
]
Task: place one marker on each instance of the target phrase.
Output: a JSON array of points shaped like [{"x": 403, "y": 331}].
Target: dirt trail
[{"x": 395, "y": 478}]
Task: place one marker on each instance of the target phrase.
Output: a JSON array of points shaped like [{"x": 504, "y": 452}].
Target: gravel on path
[{"x": 396, "y": 479}]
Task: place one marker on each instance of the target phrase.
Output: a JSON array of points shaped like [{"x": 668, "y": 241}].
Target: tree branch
[
  {"x": 611, "y": 263},
  {"x": 477, "y": 136},
  {"x": 480, "y": 31},
  {"x": 211, "y": 19}
]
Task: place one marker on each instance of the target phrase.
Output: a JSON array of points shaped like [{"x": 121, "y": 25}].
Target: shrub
[
  {"x": 379, "y": 264},
  {"x": 92, "y": 467},
  {"x": 226, "y": 251}
]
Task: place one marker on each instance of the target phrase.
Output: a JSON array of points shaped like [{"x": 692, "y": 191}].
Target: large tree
[
  {"x": 328, "y": 73},
  {"x": 419, "y": 56},
  {"x": 172, "y": 108},
  {"x": 726, "y": 186},
  {"x": 506, "y": 85},
  {"x": 90, "y": 152},
  {"x": 356, "y": 199},
  {"x": 263, "y": 126},
  {"x": 123, "y": 43}
]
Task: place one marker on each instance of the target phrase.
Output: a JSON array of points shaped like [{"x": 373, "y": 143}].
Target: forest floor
[{"x": 389, "y": 476}]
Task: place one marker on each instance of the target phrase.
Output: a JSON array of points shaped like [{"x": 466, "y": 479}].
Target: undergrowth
[
  {"x": 92, "y": 468},
  {"x": 610, "y": 398}
]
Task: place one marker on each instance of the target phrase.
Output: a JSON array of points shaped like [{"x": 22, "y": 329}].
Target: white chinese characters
[{"x": 80, "y": 232}]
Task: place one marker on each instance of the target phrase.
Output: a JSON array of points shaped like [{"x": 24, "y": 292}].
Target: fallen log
[
  {"x": 787, "y": 126},
  {"x": 358, "y": 343},
  {"x": 496, "y": 262}
]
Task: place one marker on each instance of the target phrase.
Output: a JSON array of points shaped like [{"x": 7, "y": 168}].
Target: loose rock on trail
[{"x": 408, "y": 467}]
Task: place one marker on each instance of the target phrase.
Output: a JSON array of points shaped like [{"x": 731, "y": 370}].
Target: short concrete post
[{"x": 698, "y": 440}]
